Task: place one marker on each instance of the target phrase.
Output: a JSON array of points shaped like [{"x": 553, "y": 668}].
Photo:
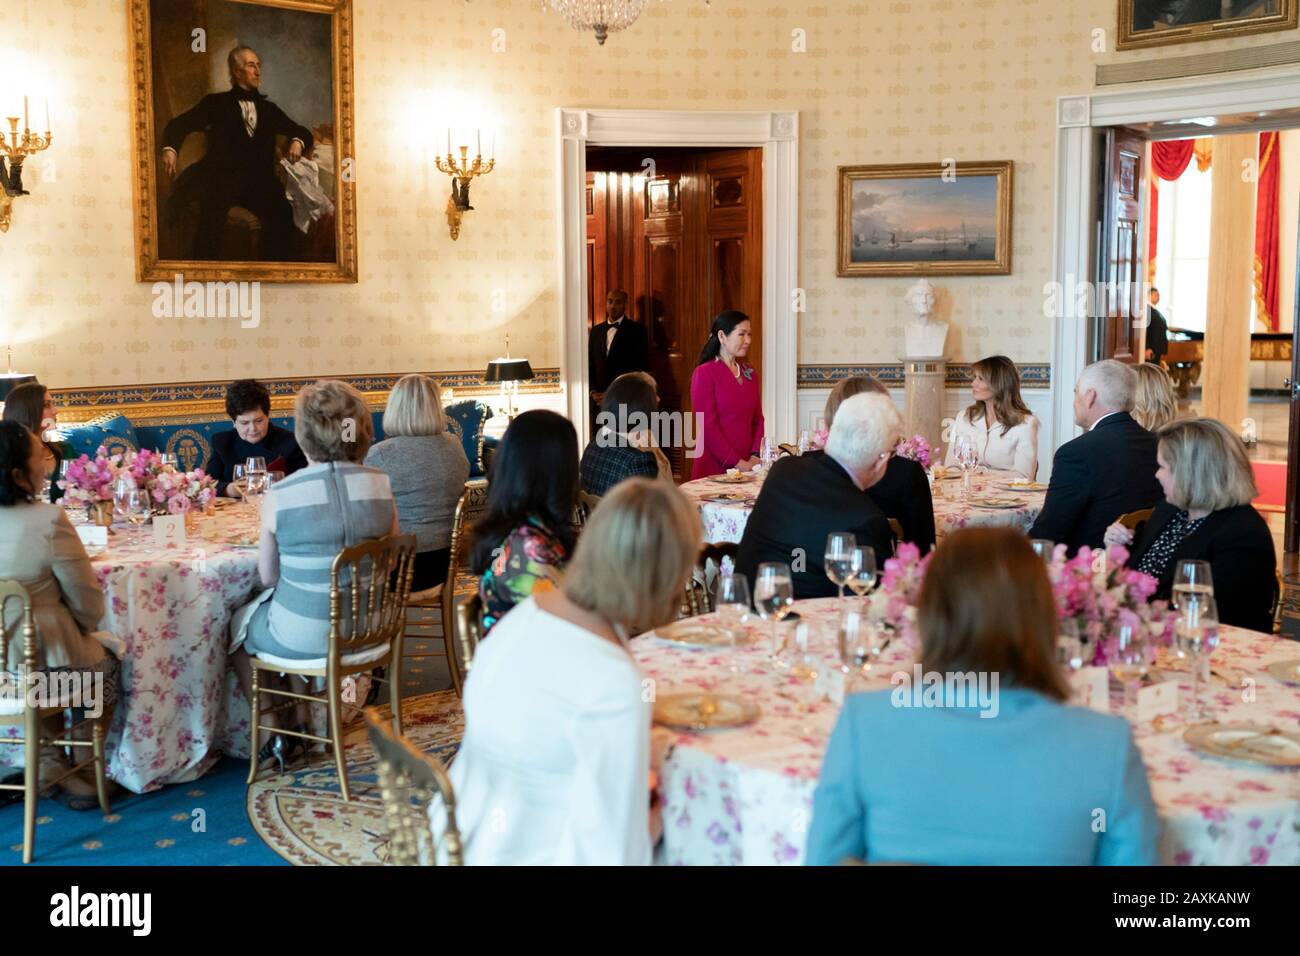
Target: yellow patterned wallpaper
[{"x": 880, "y": 81}]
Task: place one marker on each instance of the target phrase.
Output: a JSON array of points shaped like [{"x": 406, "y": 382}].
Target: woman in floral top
[{"x": 526, "y": 537}]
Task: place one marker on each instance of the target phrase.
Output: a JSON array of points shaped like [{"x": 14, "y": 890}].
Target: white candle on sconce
[
  {"x": 478, "y": 143},
  {"x": 448, "y": 141},
  {"x": 26, "y": 125},
  {"x": 47, "y": 116}
]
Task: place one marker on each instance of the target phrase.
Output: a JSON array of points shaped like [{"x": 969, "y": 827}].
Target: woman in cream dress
[{"x": 999, "y": 426}]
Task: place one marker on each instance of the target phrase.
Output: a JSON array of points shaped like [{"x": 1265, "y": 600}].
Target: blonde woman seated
[
  {"x": 555, "y": 764},
  {"x": 1207, "y": 516},
  {"x": 1154, "y": 403},
  {"x": 1005, "y": 774},
  {"x": 999, "y": 426}
]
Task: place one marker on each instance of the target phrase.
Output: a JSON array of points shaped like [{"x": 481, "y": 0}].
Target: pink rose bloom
[{"x": 178, "y": 505}]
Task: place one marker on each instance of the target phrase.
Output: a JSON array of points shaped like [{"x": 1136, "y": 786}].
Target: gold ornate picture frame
[
  {"x": 1148, "y": 23},
  {"x": 921, "y": 219},
  {"x": 184, "y": 96}
]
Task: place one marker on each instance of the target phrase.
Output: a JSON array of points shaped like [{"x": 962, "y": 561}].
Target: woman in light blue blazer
[{"x": 996, "y": 769}]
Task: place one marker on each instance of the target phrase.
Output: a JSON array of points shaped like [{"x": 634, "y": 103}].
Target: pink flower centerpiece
[
  {"x": 916, "y": 448},
  {"x": 89, "y": 480},
  {"x": 181, "y": 491},
  {"x": 894, "y": 602}
]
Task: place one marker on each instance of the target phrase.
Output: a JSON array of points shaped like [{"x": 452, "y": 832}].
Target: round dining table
[
  {"x": 179, "y": 704},
  {"x": 997, "y": 499},
  {"x": 744, "y": 795}
]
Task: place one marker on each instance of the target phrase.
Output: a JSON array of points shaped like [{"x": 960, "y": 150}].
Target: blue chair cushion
[
  {"x": 466, "y": 420},
  {"x": 115, "y": 432}
]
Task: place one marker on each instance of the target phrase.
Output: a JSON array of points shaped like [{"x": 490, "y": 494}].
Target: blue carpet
[{"x": 151, "y": 829}]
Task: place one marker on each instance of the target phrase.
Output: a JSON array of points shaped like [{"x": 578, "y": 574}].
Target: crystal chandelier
[{"x": 601, "y": 16}]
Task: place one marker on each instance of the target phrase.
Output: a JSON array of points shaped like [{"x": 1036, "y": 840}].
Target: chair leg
[
  {"x": 31, "y": 784},
  {"x": 336, "y": 740},
  {"x": 395, "y": 696},
  {"x": 254, "y": 733},
  {"x": 101, "y": 782},
  {"x": 453, "y": 664}
]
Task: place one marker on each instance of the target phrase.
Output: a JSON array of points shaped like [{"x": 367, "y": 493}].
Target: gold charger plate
[
  {"x": 1286, "y": 671},
  {"x": 704, "y": 711},
  {"x": 732, "y": 479},
  {"x": 996, "y": 503},
  {"x": 1253, "y": 743},
  {"x": 1022, "y": 486},
  {"x": 726, "y": 498},
  {"x": 695, "y": 634}
]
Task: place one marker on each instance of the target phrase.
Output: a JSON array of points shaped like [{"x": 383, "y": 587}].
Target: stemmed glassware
[
  {"x": 805, "y": 442},
  {"x": 862, "y": 572},
  {"x": 838, "y": 559},
  {"x": 1069, "y": 645},
  {"x": 731, "y": 601},
  {"x": 967, "y": 458},
  {"x": 774, "y": 599},
  {"x": 1129, "y": 664},
  {"x": 767, "y": 452},
  {"x": 138, "y": 510},
  {"x": 1191, "y": 580},
  {"x": 123, "y": 491},
  {"x": 1196, "y": 635},
  {"x": 1043, "y": 548},
  {"x": 859, "y": 643}
]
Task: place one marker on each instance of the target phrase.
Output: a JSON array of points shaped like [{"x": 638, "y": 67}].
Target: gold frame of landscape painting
[
  {"x": 191, "y": 223},
  {"x": 1192, "y": 20},
  {"x": 925, "y": 219}
]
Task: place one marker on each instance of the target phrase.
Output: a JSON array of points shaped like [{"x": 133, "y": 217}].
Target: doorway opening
[{"x": 678, "y": 231}]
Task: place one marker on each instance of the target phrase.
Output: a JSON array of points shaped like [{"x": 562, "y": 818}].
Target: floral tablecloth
[
  {"x": 179, "y": 704},
  {"x": 724, "y": 519},
  {"x": 744, "y": 796}
]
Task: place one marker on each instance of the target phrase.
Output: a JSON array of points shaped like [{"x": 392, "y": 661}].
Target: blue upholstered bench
[{"x": 190, "y": 441}]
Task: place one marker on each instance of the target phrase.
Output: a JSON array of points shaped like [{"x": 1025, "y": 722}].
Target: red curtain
[
  {"x": 1266, "y": 230},
  {"x": 1169, "y": 160}
]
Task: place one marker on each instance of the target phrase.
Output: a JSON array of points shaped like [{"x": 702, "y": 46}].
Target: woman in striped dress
[{"x": 307, "y": 519}]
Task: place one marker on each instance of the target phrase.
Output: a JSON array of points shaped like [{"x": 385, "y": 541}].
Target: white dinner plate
[
  {"x": 1286, "y": 671},
  {"x": 696, "y": 634},
  {"x": 704, "y": 711},
  {"x": 1253, "y": 743}
]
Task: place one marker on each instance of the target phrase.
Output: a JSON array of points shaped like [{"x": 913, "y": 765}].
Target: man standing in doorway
[
  {"x": 616, "y": 346},
  {"x": 1157, "y": 329}
]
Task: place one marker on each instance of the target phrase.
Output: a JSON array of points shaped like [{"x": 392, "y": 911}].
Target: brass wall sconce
[
  {"x": 462, "y": 174},
  {"x": 13, "y": 153}
]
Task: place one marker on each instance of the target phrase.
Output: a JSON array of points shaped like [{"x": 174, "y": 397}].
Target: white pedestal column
[{"x": 924, "y": 392}]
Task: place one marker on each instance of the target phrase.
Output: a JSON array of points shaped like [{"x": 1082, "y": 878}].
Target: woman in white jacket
[{"x": 999, "y": 426}]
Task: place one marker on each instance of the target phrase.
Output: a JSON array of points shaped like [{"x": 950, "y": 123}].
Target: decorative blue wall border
[{"x": 959, "y": 375}]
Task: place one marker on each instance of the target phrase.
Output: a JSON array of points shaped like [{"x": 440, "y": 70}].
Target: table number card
[
  {"x": 1092, "y": 688},
  {"x": 1158, "y": 699},
  {"x": 169, "y": 531},
  {"x": 93, "y": 536}
]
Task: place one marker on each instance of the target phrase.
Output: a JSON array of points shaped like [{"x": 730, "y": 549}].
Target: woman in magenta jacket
[{"x": 725, "y": 391}]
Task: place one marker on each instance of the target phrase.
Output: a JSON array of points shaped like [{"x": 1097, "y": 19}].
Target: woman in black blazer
[{"x": 1207, "y": 516}]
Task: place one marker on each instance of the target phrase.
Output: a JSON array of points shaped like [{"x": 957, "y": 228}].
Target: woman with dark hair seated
[
  {"x": 1207, "y": 516},
  {"x": 248, "y": 404},
  {"x": 526, "y": 536},
  {"x": 624, "y": 443},
  {"x": 31, "y": 406},
  {"x": 40, "y": 550},
  {"x": 904, "y": 493},
  {"x": 998, "y": 770}
]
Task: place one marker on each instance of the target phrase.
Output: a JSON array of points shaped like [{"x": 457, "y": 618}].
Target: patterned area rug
[{"x": 300, "y": 814}]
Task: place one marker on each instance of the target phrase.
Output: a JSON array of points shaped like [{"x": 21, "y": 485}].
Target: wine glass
[
  {"x": 862, "y": 571},
  {"x": 1129, "y": 664},
  {"x": 805, "y": 442},
  {"x": 255, "y": 464},
  {"x": 1196, "y": 633},
  {"x": 138, "y": 510},
  {"x": 1069, "y": 646},
  {"x": 767, "y": 452},
  {"x": 774, "y": 599},
  {"x": 1192, "y": 579},
  {"x": 838, "y": 557},
  {"x": 123, "y": 488},
  {"x": 169, "y": 459},
  {"x": 1043, "y": 548},
  {"x": 967, "y": 458},
  {"x": 238, "y": 474},
  {"x": 731, "y": 601}
]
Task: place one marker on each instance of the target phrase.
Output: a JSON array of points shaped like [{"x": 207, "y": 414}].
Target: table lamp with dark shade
[{"x": 508, "y": 372}]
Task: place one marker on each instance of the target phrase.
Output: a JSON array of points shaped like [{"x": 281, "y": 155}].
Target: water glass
[
  {"x": 838, "y": 558},
  {"x": 1069, "y": 645},
  {"x": 767, "y": 452},
  {"x": 774, "y": 599},
  {"x": 1130, "y": 661},
  {"x": 731, "y": 601},
  {"x": 123, "y": 489},
  {"x": 1196, "y": 634},
  {"x": 805, "y": 442},
  {"x": 167, "y": 458},
  {"x": 1192, "y": 579},
  {"x": 1043, "y": 548},
  {"x": 859, "y": 643}
]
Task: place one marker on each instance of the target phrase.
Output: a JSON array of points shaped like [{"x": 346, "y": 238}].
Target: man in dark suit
[
  {"x": 239, "y": 168},
  {"x": 808, "y": 497},
  {"x": 1105, "y": 472},
  {"x": 616, "y": 346},
  {"x": 1157, "y": 329}
]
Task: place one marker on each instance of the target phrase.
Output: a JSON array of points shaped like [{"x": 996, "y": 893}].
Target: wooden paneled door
[
  {"x": 686, "y": 244},
  {"x": 1120, "y": 304}
]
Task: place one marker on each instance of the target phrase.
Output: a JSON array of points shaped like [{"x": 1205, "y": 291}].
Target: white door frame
[
  {"x": 778, "y": 135},
  {"x": 1073, "y": 235}
]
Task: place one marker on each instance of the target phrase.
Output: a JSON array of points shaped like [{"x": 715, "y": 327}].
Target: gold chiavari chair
[
  {"x": 792, "y": 450},
  {"x": 1134, "y": 520},
  {"x": 699, "y": 596},
  {"x": 368, "y": 637},
  {"x": 19, "y": 708},
  {"x": 896, "y": 532},
  {"x": 429, "y": 612},
  {"x": 408, "y": 782},
  {"x": 469, "y": 627},
  {"x": 582, "y": 511},
  {"x": 1279, "y": 590}
]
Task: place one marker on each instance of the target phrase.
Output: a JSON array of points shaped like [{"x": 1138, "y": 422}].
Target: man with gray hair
[
  {"x": 1105, "y": 472},
  {"x": 808, "y": 497},
  {"x": 241, "y": 127}
]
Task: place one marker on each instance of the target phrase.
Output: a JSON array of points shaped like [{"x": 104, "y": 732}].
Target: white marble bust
[{"x": 922, "y": 337}]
